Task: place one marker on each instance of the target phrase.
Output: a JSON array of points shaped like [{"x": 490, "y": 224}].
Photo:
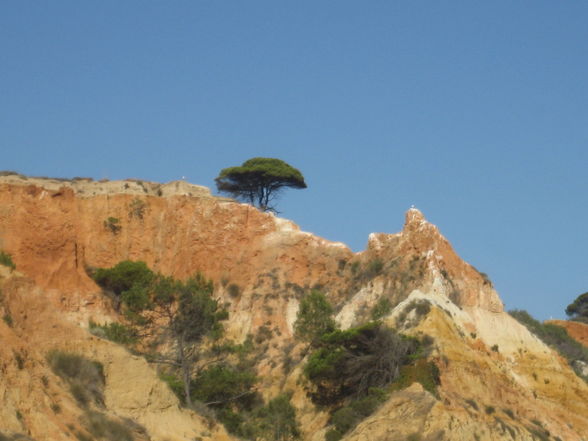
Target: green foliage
[
  {"x": 8, "y": 319},
  {"x": 223, "y": 386},
  {"x": 175, "y": 384},
  {"x": 381, "y": 309},
  {"x": 509, "y": 412},
  {"x": 554, "y": 336},
  {"x": 472, "y": 404},
  {"x": 263, "y": 334},
  {"x": 14, "y": 436},
  {"x": 228, "y": 390},
  {"x": 104, "y": 428},
  {"x": 275, "y": 421},
  {"x": 123, "y": 276},
  {"x": 137, "y": 208},
  {"x": 347, "y": 417},
  {"x": 85, "y": 377},
  {"x": 184, "y": 312},
  {"x": 234, "y": 290},
  {"x": 259, "y": 180},
  {"x": 374, "y": 268},
  {"x": 421, "y": 307},
  {"x": 6, "y": 260},
  {"x": 420, "y": 371},
  {"x": 578, "y": 309},
  {"x": 20, "y": 362},
  {"x": 351, "y": 362},
  {"x": 116, "y": 332},
  {"x": 314, "y": 318},
  {"x": 112, "y": 224}
]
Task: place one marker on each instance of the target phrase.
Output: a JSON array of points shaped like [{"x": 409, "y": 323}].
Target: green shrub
[
  {"x": 472, "y": 404},
  {"x": 381, "y": 309},
  {"x": 351, "y": 362},
  {"x": 263, "y": 334},
  {"x": 421, "y": 307},
  {"x": 137, "y": 208},
  {"x": 116, "y": 332},
  {"x": 105, "y": 428},
  {"x": 333, "y": 435},
  {"x": 490, "y": 410},
  {"x": 112, "y": 224},
  {"x": 374, "y": 268},
  {"x": 20, "y": 362},
  {"x": 85, "y": 377},
  {"x": 15, "y": 436},
  {"x": 509, "y": 412},
  {"x": 229, "y": 391},
  {"x": 124, "y": 276},
  {"x": 554, "y": 336},
  {"x": 221, "y": 384},
  {"x": 8, "y": 319},
  {"x": 315, "y": 318},
  {"x": 234, "y": 290},
  {"x": 344, "y": 419},
  {"x": 347, "y": 417},
  {"x": 175, "y": 384},
  {"x": 275, "y": 421},
  {"x": 6, "y": 260},
  {"x": 130, "y": 283},
  {"x": 421, "y": 371}
]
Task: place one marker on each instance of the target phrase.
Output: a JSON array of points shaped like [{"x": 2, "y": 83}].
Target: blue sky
[{"x": 475, "y": 112}]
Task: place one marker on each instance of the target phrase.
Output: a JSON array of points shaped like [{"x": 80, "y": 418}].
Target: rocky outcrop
[
  {"x": 498, "y": 381},
  {"x": 38, "y": 403}
]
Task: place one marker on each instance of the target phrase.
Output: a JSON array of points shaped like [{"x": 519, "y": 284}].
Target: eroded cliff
[{"x": 498, "y": 381}]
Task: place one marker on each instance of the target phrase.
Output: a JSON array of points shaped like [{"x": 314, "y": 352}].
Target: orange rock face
[
  {"x": 261, "y": 266},
  {"x": 55, "y": 233},
  {"x": 576, "y": 330}
]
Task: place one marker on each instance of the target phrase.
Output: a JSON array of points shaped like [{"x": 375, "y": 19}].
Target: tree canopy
[
  {"x": 578, "y": 310},
  {"x": 314, "y": 319},
  {"x": 259, "y": 180},
  {"x": 162, "y": 307}
]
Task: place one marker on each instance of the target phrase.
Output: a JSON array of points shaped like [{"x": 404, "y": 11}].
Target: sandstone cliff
[{"x": 498, "y": 381}]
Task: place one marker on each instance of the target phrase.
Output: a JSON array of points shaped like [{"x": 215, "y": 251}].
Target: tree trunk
[{"x": 185, "y": 371}]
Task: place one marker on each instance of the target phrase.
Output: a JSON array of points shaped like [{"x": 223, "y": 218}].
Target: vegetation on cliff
[
  {"x": 259, "y": 181},
  {"x": 6, "y": 260},
  {"x": 556, "y": 337},
  {"x": 578, "y": 309},
  {"x": 160, "y": 310},
  {"x": 161, "y": 307},
  {"x": 353, "y": 371}
]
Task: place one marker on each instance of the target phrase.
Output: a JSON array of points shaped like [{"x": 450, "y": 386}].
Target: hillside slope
[{"x": 498, "y": 381}]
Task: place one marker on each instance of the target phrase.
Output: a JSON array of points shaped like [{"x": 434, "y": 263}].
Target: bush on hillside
[
  {"x": 381, "y": 309},
  {"x": 275, "y": 421},
  {"x": 314, "y": 319},
  {"x": 85, "y": 377},
  {"x": 6, "y": 260},
  {"x": 351, "y": 362},
  {"x": 554, "y": 336},
  {"x": 115, "y": 332}
]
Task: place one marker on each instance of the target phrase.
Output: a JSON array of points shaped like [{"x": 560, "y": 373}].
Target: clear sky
[{"x": 475, "y": 112}]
